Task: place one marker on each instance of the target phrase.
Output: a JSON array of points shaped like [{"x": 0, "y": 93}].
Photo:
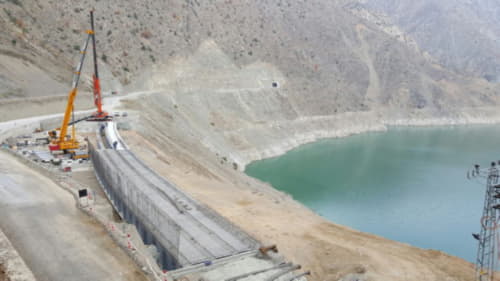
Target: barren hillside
[
  {"x": 463, "y": 35},
  {"x": 333, "y": 59}
]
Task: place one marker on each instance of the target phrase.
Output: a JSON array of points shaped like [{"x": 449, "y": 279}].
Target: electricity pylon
[{"x": 486, "y": 261}]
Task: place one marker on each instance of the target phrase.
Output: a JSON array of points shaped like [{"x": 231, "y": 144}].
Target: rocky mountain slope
[
  {"x": 463, "y": 35},
  {"x": 334, "y": 60}
]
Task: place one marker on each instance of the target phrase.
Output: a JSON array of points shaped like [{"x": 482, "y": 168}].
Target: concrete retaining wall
[
  {"x": 136, "y": 208},
  {"x": 184, "y": 231}
]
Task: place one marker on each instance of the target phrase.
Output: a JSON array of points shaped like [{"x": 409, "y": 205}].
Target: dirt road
[{"x": 56, "y": 240}]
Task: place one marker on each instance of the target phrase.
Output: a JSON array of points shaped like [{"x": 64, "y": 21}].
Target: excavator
[{"x": 66, "y": 142}]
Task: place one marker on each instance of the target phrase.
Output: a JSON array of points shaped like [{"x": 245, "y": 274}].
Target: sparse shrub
[
  {"x": 9, "y": 14},
  {"x": 20, "y": 24},
  {"x": 146, "y": 34},
  {"x": 126, "y": 69},
  {"x": 104, "y": 58},
  {"x": 489, "y": 77},
  {"x": 235, "y": 165},
  {"x": 14, "y": 42},
  {"x": 109, "y": 33},
  {"x": 152, "y": 58},
  {"x": 76, "y": 47},
  {"x": 15, "y": 2}
]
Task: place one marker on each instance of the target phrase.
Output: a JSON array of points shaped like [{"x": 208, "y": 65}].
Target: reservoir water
[{"x": 406, "y": 184}]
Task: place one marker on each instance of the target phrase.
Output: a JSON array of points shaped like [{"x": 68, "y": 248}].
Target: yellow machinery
[
  {"x": 79, "y": 154},
  {"x": 65, "y": 142}
]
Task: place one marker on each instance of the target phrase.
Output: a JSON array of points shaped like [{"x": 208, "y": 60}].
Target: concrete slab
[{"x": 242, "y": 268}]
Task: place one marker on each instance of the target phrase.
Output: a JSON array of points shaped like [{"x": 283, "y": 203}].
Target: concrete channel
[{"x": 184, "y": 232}]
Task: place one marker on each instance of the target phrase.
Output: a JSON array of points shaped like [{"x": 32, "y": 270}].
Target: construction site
[
  {"x": 171, "y": 235},
  {"x": 134, "y": 170}
]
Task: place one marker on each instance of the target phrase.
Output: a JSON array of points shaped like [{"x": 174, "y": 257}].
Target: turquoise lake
[{"x": 406, "y": 184}]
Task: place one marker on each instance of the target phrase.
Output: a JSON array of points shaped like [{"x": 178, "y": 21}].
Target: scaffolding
[{"x": 486, "y": 262}]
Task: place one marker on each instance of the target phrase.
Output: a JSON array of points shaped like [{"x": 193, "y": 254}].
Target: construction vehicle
[
  {"x": 79, "y": 154},
  {"x": 69, "y": 142},
  {"x": 64, "y": 142}
]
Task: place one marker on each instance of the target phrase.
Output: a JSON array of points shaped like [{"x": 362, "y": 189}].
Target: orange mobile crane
[
  {"x": 100, "y": 115},
  {"x": 65, "y": 142}
]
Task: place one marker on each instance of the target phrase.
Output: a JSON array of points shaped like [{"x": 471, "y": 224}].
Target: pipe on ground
[
  {"x": 242, "y": 276},
  {"x": 281, "y": 273},
  {"x": 300, "y": 275}
]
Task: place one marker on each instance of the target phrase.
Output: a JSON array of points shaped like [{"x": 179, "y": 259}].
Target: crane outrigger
[{"x": 65, "y": 142}]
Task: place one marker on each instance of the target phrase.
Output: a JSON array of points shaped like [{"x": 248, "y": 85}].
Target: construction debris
[{"x": 272, "y": 248}]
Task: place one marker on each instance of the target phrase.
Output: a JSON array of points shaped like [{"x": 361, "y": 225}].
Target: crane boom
[
  {"x": 72, "y": 143},
  {"x": 97, "y": 86},
  {"x": 100, "y": 115},
  {"x": 61, "y": 142}
]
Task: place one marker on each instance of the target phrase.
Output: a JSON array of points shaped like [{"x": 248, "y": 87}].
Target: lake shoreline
[
  {"x": 405, "y": 164},
  {"x": 481, "y": 116}
]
